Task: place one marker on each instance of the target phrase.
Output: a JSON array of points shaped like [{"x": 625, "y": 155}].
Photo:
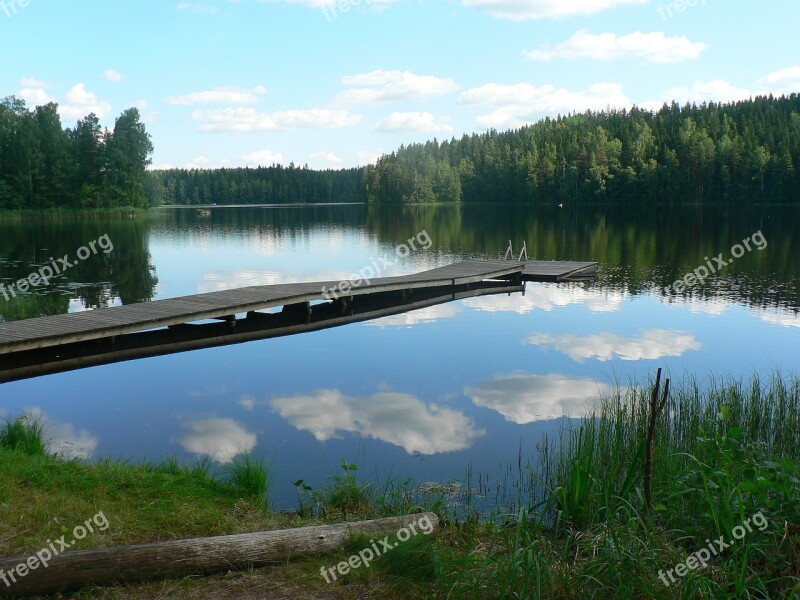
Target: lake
[{"x": 426, "y": 395}]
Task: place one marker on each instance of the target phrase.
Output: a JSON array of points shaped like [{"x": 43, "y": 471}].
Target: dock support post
[{"x": 301, "y": 310}]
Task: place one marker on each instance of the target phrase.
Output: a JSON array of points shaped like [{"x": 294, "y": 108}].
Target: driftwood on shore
[{"x": 129, "y": 564}]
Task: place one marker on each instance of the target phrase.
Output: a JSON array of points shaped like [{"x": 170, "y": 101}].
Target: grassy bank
[{"x": 726, "y": 461}]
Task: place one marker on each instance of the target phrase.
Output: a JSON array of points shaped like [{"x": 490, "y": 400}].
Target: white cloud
[
  {"x": 34, "y": 92},
  {"x": 165, "y": 166},
  {"x": 382, "y": 86},
  {"x": 35, "y": 95},
  {"x": 79, "y": 102},
  {"x": 523, "y": 399},
  {"x": 549, "y": 296},
  {"x": 520, "y": 10},
  {"x": 368, "y": 157},
  {"x": 112, "y": 75},
  {"x": 33, "y": 82},
  {"x": 263, "y": 158},
  {"x": 220, "y": 439},
  {"x": 522, "y": 103},
  {"x": 198, "y": 162},
  {"x": 336, "y": 7},
  {"x": 62, "y": 438},
  {"x": 781, "y": 318},
  {"x": 414, "y": 121},
  {"x": 709, "y": 306},
  {"x": 248, "y": 120},
  {"x": 247, "y": 402},
  {"x": 217, "y": 281},
  {"x": 147, "y": 117},
  {"x": 323, "y": 160},
  {"x": 398, "y": 419},
  {"x": 430, "y": 314},
  {"x": 220, "y": 95},
  {"x": 652, "y": 47},
  {"x": 717, "y": 90},
  {"x": 650, "y": 345},
  {"x": 784, "y": 81}
]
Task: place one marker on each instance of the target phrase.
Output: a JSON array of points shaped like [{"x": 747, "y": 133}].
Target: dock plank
[{"x": 44, "y": 332}]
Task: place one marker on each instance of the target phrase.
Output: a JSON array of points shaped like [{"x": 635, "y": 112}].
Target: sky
[{"x": 337, "y": 83}]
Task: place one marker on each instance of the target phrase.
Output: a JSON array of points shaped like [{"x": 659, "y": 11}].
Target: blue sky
[{"x": 336, "y": 83}]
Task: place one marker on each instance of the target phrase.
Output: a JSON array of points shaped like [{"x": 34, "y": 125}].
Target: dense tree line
[
  {"x": 738, "y": 152},
  {"x": 43, "y": 165},
  {"x": 263, "y": 185}
]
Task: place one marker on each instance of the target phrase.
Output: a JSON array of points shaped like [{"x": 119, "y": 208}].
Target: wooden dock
[
  {"x": 257, "y": 326},
  {"x": 109, "y": 323},
  {"x": 539, "y": 270}
]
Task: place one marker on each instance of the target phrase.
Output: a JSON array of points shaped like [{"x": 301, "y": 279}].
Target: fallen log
[{"x": 73, "y": 570}]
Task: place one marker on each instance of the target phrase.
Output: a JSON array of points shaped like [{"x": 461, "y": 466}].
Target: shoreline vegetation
[
  {"x": 570, "y": 524},
  {"x": 127, "y": 212},
  {"x": 739, "y": 153},
  {"x": 44, "y": 165},
  {"x": 744, "y": 152}
]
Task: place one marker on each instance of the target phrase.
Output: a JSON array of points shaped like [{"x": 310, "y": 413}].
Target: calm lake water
[{"x": 421, "y": 395}]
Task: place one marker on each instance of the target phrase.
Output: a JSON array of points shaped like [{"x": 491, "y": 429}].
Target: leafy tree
[
  {"x": 128, "y": 150},
  {"x": 43, "y": 165},
  {"x": 735, "y": 152}
]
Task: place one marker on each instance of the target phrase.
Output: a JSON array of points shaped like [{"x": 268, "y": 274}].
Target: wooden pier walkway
[
  {"x": 257, "y": 326},
  {"x": 108, "y": 323},
  {"x": 540, "y": 270}
]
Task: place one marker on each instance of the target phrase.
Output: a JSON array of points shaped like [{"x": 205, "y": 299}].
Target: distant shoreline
[{"x": 270, "y": 205}]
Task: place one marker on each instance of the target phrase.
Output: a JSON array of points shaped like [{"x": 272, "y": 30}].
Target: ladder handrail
[{"x": 523, "y": 252}]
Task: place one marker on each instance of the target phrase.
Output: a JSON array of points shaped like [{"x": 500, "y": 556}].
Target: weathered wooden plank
[
  {"x": 552, "y": 271},
  {"x": 129, "y": 564}
]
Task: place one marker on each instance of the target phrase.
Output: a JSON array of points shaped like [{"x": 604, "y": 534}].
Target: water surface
[{"x": 420, "y": 395}]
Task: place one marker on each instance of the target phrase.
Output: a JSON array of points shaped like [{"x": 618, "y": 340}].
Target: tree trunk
[{"x": 129, "y": 564}]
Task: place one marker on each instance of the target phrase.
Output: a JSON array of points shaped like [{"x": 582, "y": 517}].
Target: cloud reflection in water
[
  {"x": 522, "y": 398},
  {"x": 398, "y": 419},
  {"x": 650, "y": 345}
]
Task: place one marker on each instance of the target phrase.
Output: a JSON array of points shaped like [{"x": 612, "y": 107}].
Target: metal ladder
[{"x": 522, "y": 253}]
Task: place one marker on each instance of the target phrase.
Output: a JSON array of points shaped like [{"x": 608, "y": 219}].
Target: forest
[
  {"x": 44, "y": 165},
  {"x": 275, "y": 184},
  {"x": 740, "y": 152}
]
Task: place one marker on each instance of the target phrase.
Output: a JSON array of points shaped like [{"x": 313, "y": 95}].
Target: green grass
[
  {"x": 25, "y": 435},
  {"x": 250, "y": 477},
  {"x": 721, "y": 456},
  {"x": 346, "y": 495}
]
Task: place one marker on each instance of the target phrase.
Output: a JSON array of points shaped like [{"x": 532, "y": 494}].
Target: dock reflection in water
[{"x": 292, "y": 319}]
